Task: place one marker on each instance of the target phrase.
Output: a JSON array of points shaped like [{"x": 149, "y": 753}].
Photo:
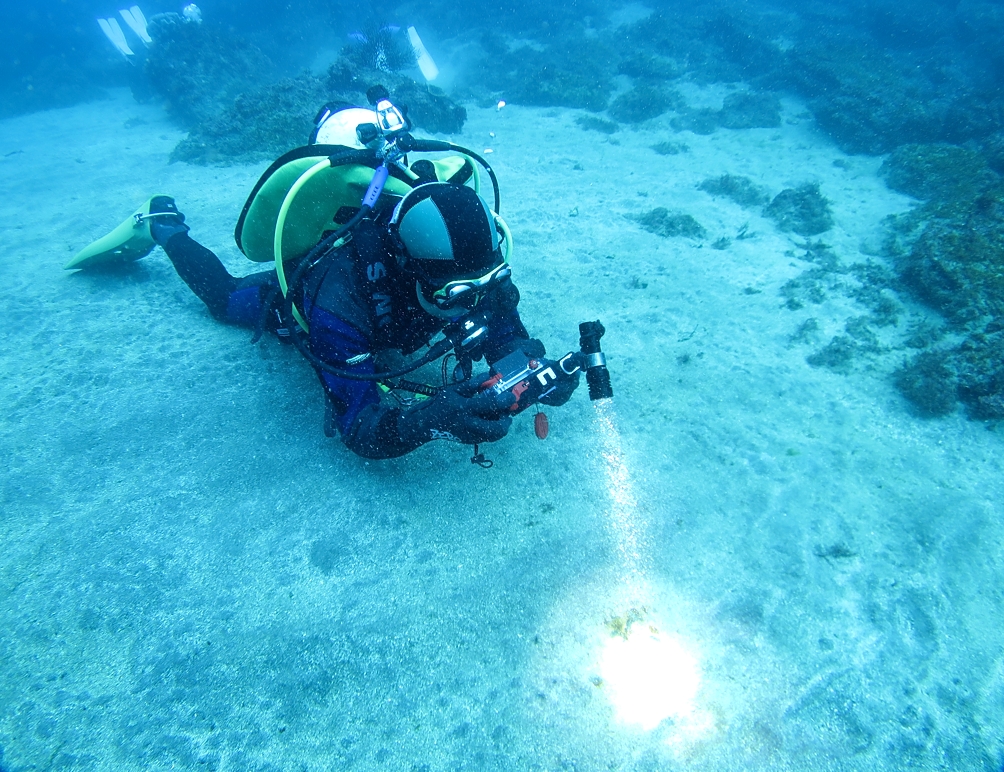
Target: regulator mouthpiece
[{"x": 594, "y": 362}]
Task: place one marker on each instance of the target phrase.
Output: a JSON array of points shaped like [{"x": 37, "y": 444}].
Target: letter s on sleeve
[{"x": 376, "y": 271}]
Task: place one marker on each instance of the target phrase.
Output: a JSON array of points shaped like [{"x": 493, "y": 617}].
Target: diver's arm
[
  {"x": 368, "y": 428},
  {"x": 461, "y": 412},
  {"x": 372, "y": 430},
  {"x": 374, "y": 434},
  {"x": 506, "y": 333}
]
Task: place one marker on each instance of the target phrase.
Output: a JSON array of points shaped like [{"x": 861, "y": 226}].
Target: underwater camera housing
[{"x": 529, "y": 379}]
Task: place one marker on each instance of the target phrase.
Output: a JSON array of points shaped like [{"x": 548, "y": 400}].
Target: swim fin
[
  {"x": 129, "y": 241},
  {"x": 115, "y": 34}
]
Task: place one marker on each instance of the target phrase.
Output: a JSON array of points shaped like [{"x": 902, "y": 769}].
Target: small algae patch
[
  {"x": 802, "y": 210},
  {"x": 668, "y": 224},
  {"x": 746, "y": 110},
  {"x": 671, "y": 148},
  {"x": 595, "y": 123},
  {"x": 644, "y": 102},
  {"x": 741, "y": 190},
  {"x": 620, "y": 626}
]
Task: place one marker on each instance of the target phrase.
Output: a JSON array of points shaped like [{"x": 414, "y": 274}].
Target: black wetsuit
[{"x": 357, "y": 301}]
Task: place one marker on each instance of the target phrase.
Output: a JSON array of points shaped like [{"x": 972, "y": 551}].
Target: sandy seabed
[{"x": 743, "y": 562}]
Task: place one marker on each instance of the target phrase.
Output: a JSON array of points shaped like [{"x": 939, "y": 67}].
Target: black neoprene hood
[{"x": 448, "y": 231}]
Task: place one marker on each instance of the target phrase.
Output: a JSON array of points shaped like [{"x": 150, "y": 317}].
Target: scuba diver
[
  {"x": 423, "y": 253},
  {"x": 399, "y": 280}
]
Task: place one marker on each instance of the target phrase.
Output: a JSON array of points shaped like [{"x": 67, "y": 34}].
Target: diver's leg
[
  {"x": 229, "y": 299},
  {"x": 197, "y": 266},
  {"x": 247, "y": 301},
  {"x": 203, "y": 272}
]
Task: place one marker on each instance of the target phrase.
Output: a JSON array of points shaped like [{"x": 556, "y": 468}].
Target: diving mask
[{"x": 467, "y": 293}]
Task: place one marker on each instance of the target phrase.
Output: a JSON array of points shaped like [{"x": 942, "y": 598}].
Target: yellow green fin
[{"x": 131, "y": 240}]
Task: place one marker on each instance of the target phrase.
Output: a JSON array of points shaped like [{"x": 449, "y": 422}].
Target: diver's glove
[
  {"x": 165, "y": 219},
  {"x": 458, "y": 413},
  {"x": 532, "y": 348},
  {"x": 563, "y": 389}
]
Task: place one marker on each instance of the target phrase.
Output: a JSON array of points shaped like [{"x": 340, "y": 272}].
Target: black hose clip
[{"x": 479, "y": 459}]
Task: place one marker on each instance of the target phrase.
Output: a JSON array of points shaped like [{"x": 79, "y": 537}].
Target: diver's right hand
[{"x": 459, "y": 413}]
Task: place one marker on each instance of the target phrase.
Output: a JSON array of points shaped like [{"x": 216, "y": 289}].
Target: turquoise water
[{"x": 744, "y": 561}]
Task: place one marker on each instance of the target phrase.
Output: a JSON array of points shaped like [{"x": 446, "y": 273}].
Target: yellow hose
[
  {"x": 477, "y": 174},
  {"x": 280, "y": 224},
  {"x": 508, "y": 235}
]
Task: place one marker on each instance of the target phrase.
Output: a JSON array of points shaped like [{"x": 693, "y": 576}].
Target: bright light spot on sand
[{"x": 649, "y": 677}]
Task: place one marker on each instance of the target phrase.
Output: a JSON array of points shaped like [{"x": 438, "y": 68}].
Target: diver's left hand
[{"x": 563, "y": 390}]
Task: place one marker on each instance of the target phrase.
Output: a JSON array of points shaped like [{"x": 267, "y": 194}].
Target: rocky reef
[
  {"x": 873, "y": 81},
  {"x": 197, "y": 68},
  {"x": 264, "y": 123},
  {"x": 225, "y": 91},
  {"x": 259, "y": 125},
  {"x": 567, "y": 71},
  {"x": 740, "y": 110},
  {"x": 949, "y": 253},
  {"x": 875, "y": 76}
]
